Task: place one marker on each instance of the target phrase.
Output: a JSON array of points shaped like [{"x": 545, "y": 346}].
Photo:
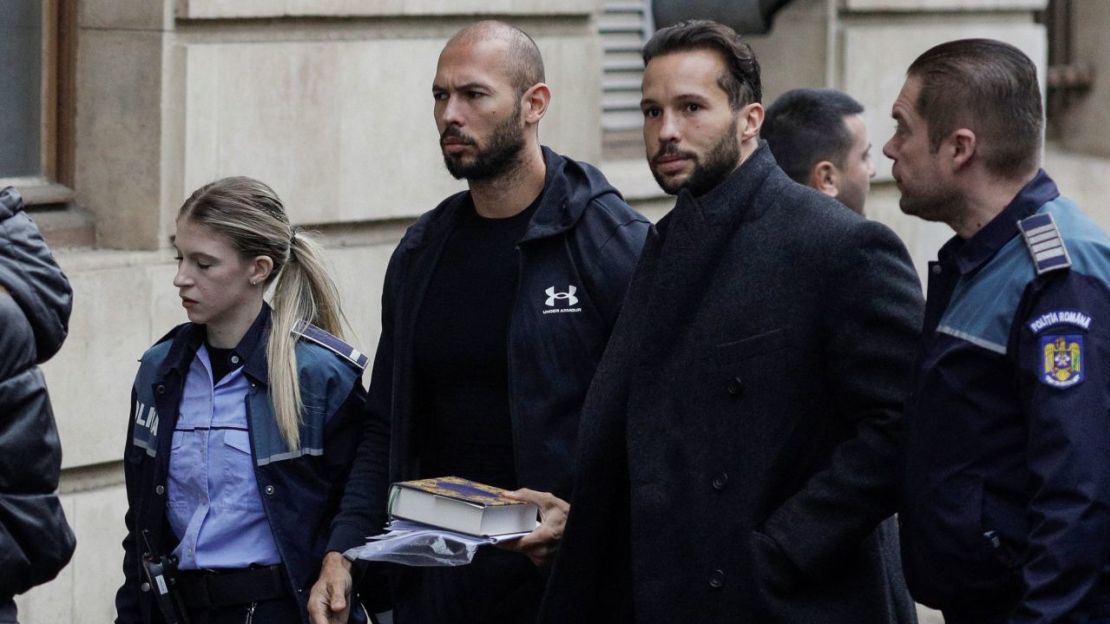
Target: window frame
[{"x": 59, "y": 47}]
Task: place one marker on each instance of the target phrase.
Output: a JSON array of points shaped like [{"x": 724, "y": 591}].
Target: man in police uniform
[{"x": 1006, "y": 511}]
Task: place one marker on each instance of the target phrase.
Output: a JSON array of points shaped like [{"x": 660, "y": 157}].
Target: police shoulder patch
[
  {"x": 1060, "y": 317},
  {"x": 1042, "y": 238},
  {"x": 1063, "y": 365},
  {"x": 305, "y": 330}
]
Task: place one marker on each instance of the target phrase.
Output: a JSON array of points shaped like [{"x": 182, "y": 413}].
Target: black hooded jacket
[
  {"x": 35, "y": 540},
  {"x": 582, "y": 236}
]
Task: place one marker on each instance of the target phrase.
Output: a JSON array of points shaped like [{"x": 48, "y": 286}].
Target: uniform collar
[
  {"x": 251, "y": 348},
  {"x": 973, "y": 253}
]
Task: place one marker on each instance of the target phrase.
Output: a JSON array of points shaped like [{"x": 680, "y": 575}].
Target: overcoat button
[
  {"x": 717, "y": 579},
  {"x": 160, "y": 490},
  {"x": 735, "y": 387},
  {"x": 145, "y": 587},
  {"x": 720, "y": 481},
  {"x": 235, "y": 359},
  {"x": 160, "y": 388},
  {"x": 269, "y": 490}
]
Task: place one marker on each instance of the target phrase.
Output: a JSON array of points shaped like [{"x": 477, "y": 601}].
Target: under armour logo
[{"x": 552, "y": 296}]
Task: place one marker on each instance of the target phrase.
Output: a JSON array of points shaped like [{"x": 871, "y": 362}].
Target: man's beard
[
  {"x": 719, "y": 162},
  {"x": 500, "y": 155}
]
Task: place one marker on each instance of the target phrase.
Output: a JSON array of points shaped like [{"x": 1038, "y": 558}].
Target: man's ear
[
  {"x": 752, "y": 115},
  {"x": 962, "y": 147},
  {"x": 825, "y": 177},
  {"x": 534, "y": 102}
]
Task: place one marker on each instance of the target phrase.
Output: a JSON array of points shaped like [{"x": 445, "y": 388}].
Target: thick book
[{"x": 461, "y": 505}]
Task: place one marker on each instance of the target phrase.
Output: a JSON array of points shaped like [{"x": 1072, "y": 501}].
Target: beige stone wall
[
  {"x": 329, "y": 101},
  {"x": 224, "y": 9},
  {"x": 334, "y": 113},
  {"x": 1084, "y": 121}
]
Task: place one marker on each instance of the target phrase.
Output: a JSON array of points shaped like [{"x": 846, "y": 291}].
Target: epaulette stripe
[
  {"x": 1041, "y": 230},
  {"x": 1049, "y": 234},
  {"x": 1051, "y": 263},
  {"x": 1042, "y": 238},
  {"x": 308, "y": 331},
  {"x": 1036, "y": 221},
  {"x": 1053, "y": 244},
  {"x": 1048, "y": 251}
]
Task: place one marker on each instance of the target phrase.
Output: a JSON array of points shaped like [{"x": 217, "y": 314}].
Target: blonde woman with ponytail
[{"x": 244, "y": 422}]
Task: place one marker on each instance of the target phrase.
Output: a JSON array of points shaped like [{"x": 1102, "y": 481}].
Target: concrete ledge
[
  {"x": 936, "y": 6},
  {"x": 236, "y": 9}
]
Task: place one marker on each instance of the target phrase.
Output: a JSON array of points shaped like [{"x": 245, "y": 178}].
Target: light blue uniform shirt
[{"x": 214, "y": 507}]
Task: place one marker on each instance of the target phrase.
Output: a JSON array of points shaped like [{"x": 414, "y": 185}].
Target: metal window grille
[{"x": 625, "y": 26}]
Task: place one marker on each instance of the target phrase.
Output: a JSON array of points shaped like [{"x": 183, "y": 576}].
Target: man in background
[{"x": 819, "y": 138}]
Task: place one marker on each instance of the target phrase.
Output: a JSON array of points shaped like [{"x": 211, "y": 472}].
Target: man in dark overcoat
[{"x": 739, "y": 442}]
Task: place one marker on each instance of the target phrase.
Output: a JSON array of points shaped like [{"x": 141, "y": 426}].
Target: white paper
[{"x": 415, "y": 544}]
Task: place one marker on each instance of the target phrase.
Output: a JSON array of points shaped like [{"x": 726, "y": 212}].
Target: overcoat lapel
[{"x": 678, "y": 267}]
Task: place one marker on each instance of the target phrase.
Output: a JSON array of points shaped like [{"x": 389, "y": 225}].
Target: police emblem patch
[{"x": 1063, "y": 360}]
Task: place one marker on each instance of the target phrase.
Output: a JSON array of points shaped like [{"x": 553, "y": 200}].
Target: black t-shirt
[
  {"x": 224, "y": 361},
  {"x": 461, "y": 351}
]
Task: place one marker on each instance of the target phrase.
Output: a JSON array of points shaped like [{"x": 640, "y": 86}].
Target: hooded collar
[
  {"x": 569, "y": 186},
  {"x": 32, "y": 277}
]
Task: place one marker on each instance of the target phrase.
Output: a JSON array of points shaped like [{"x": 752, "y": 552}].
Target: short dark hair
[
  {"x": 989, "y": 87},
  {"x": 524, "y": 64},
  {"x": 741, "y": 81},
  {"x": 806, "y": 126}
]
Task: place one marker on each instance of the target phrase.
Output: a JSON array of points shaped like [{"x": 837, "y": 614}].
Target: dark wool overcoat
[{"x": 740, "y": 438}]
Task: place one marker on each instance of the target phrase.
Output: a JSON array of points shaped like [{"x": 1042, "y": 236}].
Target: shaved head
[{"x": 523, "y": 62}]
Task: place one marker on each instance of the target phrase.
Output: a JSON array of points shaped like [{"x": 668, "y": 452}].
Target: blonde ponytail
[
  {"x": 303, "y": 290},
  {"x": 252, "y": 217}
]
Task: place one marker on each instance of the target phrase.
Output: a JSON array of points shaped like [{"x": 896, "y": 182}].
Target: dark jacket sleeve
[
  {"x": 608, "y": 255},
  {"x": 875, "y": 310},
  {"x": 35, "y": 540},
  {"x": 1068, "y": 517},
  {"x": 127, "y": 597},
  {"x": 362, "y": 511}
]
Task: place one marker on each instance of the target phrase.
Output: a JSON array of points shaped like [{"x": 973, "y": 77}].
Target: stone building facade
[{"x": 329, "y": 101}]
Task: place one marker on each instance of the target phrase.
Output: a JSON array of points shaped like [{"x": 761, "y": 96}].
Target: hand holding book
[
  {"x": 442, "y": 521},
  {"x": 542, "y": 543}
]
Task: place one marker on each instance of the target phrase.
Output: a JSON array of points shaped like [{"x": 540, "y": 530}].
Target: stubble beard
[
  {"x": 718, "y": 163},
  {"x": 500, "y": 156},
  {"x": 942, "y": 205}
]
